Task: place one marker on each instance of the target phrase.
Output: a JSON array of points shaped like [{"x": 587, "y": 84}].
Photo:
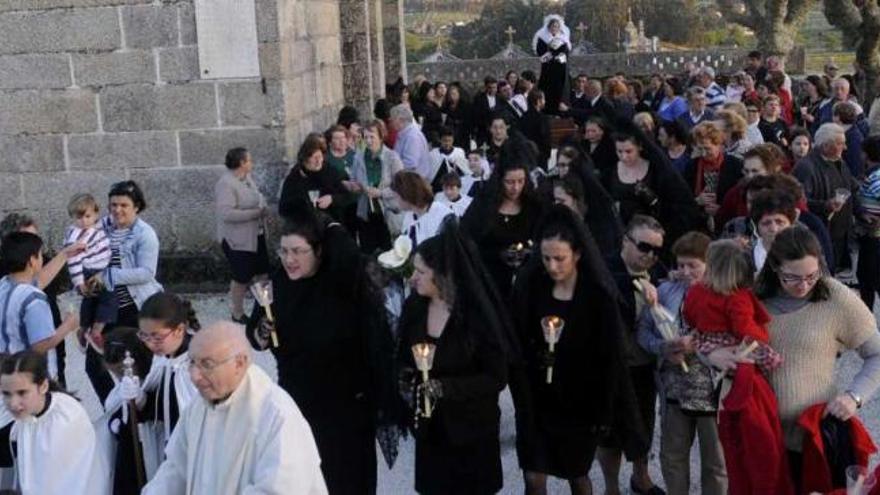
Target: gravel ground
[{"x": 400, "y": 479}]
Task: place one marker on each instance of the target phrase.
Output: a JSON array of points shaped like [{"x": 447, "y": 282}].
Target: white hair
[
  {"x": 827, "y": 133},
  {"x": 840, "y": 81},
  {"x": 401, "y": 112},
  {"x": 707, "y": 71}
]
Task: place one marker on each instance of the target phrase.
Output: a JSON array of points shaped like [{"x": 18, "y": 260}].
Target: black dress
[
  {"x": 459, "y": 119},
  {"x": 335, "y": 360},
  {"x": 554, "y": 76},
  {"x": 494, "y": 233},
  {"x": 457, "y": 449},
  {"x": 559, "y": 424}
]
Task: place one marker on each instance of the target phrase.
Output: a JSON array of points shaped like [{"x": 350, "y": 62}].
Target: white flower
[{"x": 398, "y": 254}]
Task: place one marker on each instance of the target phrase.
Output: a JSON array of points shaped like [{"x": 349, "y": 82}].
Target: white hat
[{"x": 398, "y": 254}]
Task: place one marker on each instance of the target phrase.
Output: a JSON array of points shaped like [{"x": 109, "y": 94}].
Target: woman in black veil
[
  {"x": 503, "y": 218},
  {"x": 334, "y": 348},
  {"x": 645, "y": 182},
  {"x": 455, "y": 307},
  {"x": 573, "y": 164},
  {"x": 558, "y": 424}
]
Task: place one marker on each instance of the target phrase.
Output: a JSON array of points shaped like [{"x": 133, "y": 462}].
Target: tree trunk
[{"x": 862, "y": 18}]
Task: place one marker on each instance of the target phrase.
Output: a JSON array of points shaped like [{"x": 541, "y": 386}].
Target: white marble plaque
[{"x": 227, "y": 36}]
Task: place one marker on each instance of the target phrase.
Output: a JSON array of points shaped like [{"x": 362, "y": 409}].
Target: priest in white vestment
[{"x": 244, "y": 436}]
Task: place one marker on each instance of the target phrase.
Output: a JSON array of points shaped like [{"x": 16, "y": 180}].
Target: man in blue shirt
[
  {"x": 411, "y": 144},
  {"x": 25, "y": 316}
]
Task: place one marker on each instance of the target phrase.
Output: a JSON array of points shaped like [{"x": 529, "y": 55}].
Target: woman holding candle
[
  {"x": 560, "y": 415},
  {"x": 454, "y": 307},
  {"x": 334, "y": 347},
  {"x": 312, "y": 185},
  {"x": 502, "y": 220}
]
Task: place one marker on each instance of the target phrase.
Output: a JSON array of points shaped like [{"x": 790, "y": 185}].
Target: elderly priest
[{"x": 246, "y": 435}]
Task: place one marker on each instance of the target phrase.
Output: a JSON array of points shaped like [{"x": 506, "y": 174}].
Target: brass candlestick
[
  {"x": 552, "y": 326},
  {"x": 423, "y": 354},
  {"x": 263, "y": 293}
]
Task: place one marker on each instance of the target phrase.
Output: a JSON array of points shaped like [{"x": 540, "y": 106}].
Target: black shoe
[
  {"x": 241, "y": 320},
  {"x": 654, "y": 490}
]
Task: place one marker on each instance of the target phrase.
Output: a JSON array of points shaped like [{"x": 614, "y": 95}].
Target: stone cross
[
  {"x": 510, "y": 32},
  {"x": 582, "y": 28}
]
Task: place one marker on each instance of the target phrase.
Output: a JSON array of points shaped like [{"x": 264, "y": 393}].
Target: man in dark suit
[
  {"x": 593, "y": 103},
  {"x": 484, "y": 105},
  {"x": 535, "y": 125}
]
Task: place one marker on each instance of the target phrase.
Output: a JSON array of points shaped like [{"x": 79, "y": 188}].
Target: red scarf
[{"x": 707, "y": 164}]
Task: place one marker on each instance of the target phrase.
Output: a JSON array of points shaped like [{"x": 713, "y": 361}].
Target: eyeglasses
[
  {"x": 645, "y": 247},
  {"x": 209, "y": 365},
  {"x": 791, "y": 279},
  {"x": 153, "y": 338},
  {"x": 284, "y": 252}
]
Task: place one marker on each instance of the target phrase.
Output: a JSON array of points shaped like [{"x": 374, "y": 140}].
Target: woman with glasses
[
  {"x": 241, "y": 226},
  {"x": 333, "y": 349},
  {"x": 167, "y": 323},
  {"x": 131, "y": 274},
  {"x": 814, "y": 317}
]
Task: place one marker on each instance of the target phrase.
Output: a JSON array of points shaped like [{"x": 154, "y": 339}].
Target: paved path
[{"x": 399, "y": 480}]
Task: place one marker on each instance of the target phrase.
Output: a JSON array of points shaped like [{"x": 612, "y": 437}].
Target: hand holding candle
[
  {"x": 552, "y": 326},
  {"x": 262, "y": 292},
  {"x": 423, "y": 355}
]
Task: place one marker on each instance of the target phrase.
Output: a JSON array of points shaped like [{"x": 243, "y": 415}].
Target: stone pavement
[{"x": 400, "y": 479}]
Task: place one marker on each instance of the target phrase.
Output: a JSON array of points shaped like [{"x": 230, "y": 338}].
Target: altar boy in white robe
[
  {"x": 53, "y": 441},
  {"x": 447, "y": 159},
  {"x": 244, "y": 436}
]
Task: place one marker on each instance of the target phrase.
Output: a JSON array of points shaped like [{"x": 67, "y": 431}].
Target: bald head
[{"x": 220, "y": 356}]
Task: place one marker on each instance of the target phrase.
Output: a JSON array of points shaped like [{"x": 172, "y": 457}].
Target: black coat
[
  {"x": 554, "y": 81},
  {"x": 731, "y": 173},
  {"x": 460, "y": 120},
  {"x": 591, "y": 390},
  {"x": 298, "y": 183},
  {"x": 471, "y": 365},
  {"x": 335, "y": 360},
  {"x": 536, "y": 127},
  {"x": 481, "y": 113}
]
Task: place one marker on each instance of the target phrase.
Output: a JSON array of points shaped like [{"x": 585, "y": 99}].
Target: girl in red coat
[
  {"x": 724, "y": 312},
  {"x": 723, "y": 309}
]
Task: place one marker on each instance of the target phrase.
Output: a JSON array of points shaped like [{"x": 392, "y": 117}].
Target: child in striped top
[{"x": 99, "y": 306}]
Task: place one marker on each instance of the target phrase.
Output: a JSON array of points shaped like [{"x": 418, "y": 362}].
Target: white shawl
[
  {"x": 57, "y": 452},
  {"x": 544, "y": 33}
]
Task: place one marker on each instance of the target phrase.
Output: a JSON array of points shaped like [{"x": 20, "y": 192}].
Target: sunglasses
[{"x": 645, "y": 247}]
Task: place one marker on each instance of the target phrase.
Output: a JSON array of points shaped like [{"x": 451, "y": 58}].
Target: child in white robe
[
  {"x": 452, "y": 196},
  {"x": 54, "y": 442}
]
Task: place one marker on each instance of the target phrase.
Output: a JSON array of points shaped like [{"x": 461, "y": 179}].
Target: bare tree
[
  {"x": 860, "y": 20},
  {"x": 775, "y": 22}
]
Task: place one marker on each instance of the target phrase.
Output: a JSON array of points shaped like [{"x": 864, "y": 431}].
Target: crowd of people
[{"x": 687, "y": 249}]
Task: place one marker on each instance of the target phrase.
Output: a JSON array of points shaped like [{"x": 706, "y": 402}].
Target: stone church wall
[{"x": 97, "y": 91}]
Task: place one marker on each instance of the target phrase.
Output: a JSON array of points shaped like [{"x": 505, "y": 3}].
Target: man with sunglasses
[
  {"x": 245, "y": 435},
  {"x": 637, "y": 263}
]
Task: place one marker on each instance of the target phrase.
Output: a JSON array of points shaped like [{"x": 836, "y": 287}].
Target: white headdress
[{"x": 544, "y": 32}]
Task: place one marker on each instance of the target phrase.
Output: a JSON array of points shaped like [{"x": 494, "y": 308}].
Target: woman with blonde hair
[
  {"x": 734, "y": 127},
  {"x": 713, "y": 172}
]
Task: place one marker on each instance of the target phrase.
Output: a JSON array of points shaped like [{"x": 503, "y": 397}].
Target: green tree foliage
[
  {"x": 485, "y": 36},
  {"x": 775, "y": 22}
]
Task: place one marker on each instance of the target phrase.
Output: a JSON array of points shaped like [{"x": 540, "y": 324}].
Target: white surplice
[
  {"x": 154, "y": 436},
  {"x": 56, "y": 452},
  {"x": 255, "y": 442}
]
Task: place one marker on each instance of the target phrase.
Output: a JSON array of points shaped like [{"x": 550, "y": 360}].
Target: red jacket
[
  {"x": 740, "y": 313},
  {"x": 816, "y": 474},
  {"x": 751, "y": 436}
]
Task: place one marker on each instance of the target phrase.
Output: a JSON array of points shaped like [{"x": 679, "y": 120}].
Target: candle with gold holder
[
  {"x": 423, "y": 355},
  {"x": 140, "y": 470},
  {"x": 552, "y": 327},
  {"x": 262, "y": 292}
]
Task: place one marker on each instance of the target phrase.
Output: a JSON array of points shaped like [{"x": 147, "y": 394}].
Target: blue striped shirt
[{"x": 25, "y": 318}]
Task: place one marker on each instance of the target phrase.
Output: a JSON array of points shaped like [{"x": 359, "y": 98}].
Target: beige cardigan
[
  {"x": 809, "y": 340},
  {"x": 239, "y": 211}
]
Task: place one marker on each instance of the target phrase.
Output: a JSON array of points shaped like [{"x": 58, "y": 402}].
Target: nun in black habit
[
  {"x": 334, "y": 349},
  {"x": 553, "y": 43},
  {"x": 558, "y": 424},
  {"x": 455, "y": 307}
]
